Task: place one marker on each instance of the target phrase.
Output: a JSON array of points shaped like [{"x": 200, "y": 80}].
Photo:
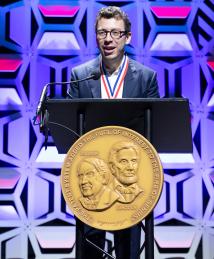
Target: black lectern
[{"x": 164, "y": 122}]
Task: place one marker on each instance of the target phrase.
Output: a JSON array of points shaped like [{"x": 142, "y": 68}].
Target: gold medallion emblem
[{"x": 111, "y": 178}]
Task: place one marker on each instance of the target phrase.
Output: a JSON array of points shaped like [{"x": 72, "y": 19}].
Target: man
[
  {"x": 93, "y": 174},
  {"x": 123, "y": 161},
  {"x": 121, "y": 77}
]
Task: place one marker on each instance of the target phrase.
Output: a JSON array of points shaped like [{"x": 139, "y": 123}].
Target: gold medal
[{"x": 111, "y": 178}]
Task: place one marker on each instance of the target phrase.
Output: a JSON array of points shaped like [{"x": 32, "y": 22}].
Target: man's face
[
  {"x": 111, "y": 48},
  {"x": 90, "y": 181},
  {"x": 125, "y": 167}
]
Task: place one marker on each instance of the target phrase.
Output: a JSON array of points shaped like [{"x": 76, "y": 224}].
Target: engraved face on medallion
[
  {"x": 111, "y": 178},
  {"x": 124, "y": 161},
  {"x": 93, "y": 175}
]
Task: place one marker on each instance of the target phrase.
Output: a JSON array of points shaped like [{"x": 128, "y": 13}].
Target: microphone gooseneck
[{"x": 94, "y": 75}]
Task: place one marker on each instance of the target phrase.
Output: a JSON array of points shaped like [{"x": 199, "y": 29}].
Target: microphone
[{"x": 94, "y": 75}]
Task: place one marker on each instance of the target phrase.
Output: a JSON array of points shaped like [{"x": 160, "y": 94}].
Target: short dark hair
[{"x": 113, "y": 12}]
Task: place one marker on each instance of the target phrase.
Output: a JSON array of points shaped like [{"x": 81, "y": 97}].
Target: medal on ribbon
[{"x": 112, "y": 92}]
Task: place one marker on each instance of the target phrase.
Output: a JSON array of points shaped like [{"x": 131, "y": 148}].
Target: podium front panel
[{"x": 170, "y": 120}]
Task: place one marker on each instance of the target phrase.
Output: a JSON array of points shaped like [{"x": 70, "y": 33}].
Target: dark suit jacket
[{"x": 140, "y": 81}]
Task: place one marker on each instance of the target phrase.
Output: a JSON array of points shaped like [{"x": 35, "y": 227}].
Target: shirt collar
[{"x": 116, "y": 72}]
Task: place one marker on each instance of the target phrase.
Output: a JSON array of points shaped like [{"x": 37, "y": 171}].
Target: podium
[{"x": 164, "y": 122}]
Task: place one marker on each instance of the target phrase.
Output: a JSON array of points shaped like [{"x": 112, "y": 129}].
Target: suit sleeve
[
  {"x": 153, "y": 90},
  {"x": 73, "y": 91}
]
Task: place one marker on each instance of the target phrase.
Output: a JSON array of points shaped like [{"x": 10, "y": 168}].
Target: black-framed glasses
[{"x": 115, "y": 34}]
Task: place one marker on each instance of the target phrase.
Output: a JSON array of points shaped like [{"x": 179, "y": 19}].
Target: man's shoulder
[
  {"x": 139, "y": 67},
  {"x": 87, "y": 65}
]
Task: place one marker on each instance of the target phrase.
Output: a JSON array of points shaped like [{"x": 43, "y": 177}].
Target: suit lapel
[
  {"x": 95, "y": 84},
  {"x": 129, "y": 82},
  {"x": 95, "y": 88}
]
